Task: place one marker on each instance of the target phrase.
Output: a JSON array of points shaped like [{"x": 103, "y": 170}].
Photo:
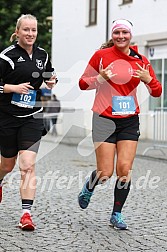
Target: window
[
  {"x": 158, "y": 66},
  {"x": 165, "y": 84},
  {"x": 157, "y": 55},
  {"x": 92, "y": 12},
  {"x": 127, "y": 1}
]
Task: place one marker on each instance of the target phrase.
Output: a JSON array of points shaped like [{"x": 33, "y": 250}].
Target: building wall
[
  {"x": 74, "y": 43},
  {"x": 147, "y": 16}
]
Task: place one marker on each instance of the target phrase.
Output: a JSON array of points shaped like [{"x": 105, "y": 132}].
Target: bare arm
[{"x": 22, "y": 88}]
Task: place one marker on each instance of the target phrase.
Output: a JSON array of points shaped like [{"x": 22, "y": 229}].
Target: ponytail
[
  {"x": 107, "y": 44},
  {"x": 13, "y": 37}
]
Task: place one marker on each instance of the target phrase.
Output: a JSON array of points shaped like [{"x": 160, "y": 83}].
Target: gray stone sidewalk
[
  {"x": 63, "y": 226},
  {"x": 149, "y": 149}
]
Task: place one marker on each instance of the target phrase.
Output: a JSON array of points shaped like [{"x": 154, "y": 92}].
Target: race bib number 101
[{"x": 123, "y": 105}]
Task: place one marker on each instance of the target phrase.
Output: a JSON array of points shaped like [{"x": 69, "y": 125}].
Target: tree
[{"x": 10, "y": 11}]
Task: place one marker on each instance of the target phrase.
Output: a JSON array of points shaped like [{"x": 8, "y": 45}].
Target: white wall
[
  {"x": 147, "y": 16},
  {"x": 73, "y": 44}
]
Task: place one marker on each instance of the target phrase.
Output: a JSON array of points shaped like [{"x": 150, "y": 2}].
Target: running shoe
[
  {"x": 84, "y": 197},
  {"x": 117, "y": 221},
  {"x": 0, "y": 194},
  {"x": 26, "y": 222}
]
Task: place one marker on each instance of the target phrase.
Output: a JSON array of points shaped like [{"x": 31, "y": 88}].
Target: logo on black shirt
[
  {"x": 39, "y": 64},
  {"x": 20, "y": 59}
]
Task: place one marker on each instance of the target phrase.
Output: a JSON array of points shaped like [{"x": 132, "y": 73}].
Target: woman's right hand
[
  {"x": 22, "y": 88},
  {"x": 105, "y": 73}
]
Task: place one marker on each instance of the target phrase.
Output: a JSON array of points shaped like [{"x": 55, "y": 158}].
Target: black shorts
[
  {"x": 111, "y": 130},
  {"x": 19, "y": 134}
]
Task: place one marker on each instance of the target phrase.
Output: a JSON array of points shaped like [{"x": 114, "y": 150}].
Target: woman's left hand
[
  {"x": 51, "y": 82},
  {"x": 143, "y": 73}
]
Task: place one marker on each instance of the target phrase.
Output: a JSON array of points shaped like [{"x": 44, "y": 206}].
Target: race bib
[
  {"x": 24, "y": 100},
  {"x": 123, "y": 105}
]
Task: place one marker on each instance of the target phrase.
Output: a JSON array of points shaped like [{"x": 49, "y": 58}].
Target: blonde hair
[
  {"x": 107, "y": 44},
  {"x": 18, "y": 24}
]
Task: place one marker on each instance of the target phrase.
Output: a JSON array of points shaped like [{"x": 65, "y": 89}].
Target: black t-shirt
[{"x": 17, "y": 67}]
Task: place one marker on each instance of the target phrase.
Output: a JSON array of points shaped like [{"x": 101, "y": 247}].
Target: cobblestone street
[{"x": 63, "y": 226}]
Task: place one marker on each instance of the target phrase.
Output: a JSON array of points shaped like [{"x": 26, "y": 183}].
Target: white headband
[{"x": 122, "y": 24}]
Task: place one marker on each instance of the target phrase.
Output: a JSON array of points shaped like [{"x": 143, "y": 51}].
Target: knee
[
  {"x": 104, "y": 175},
  {"x": 6, "y": 165},
  {"x": 7, "y": 168},
  {"x": 26, "y": 167},
  {"x": 124, "y": 171}
]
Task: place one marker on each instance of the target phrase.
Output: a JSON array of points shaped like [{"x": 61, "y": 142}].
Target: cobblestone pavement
[{"x": 63, "y": 226}]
